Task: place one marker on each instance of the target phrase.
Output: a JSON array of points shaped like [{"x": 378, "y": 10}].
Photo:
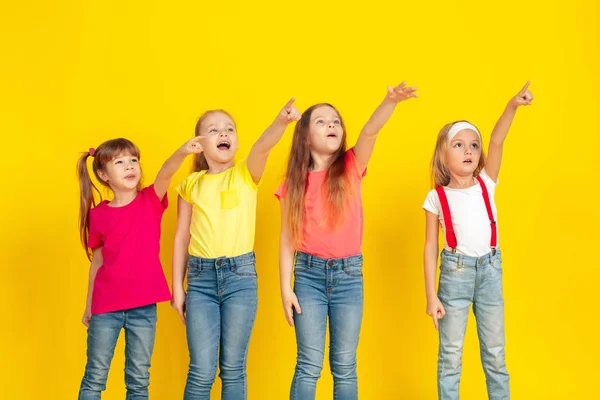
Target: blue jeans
[
  {"x": 464, "y": 281},
  {"x": 140, "y": 328},
  {"x": 327, "y": 288},
  {"x": 220, "y": 307}
]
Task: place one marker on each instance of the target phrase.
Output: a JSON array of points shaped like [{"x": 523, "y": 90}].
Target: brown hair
[
  {"x": 200, "y": 162},
  {"x": 105, "y": 153},
  {"x": 440, "y": 174},
  {"x": 338, "y": 185}
]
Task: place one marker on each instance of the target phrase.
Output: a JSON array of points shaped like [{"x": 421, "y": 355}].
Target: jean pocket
[
  {"x": 497, "y": 263},
  {"x": 245, "y": 270},
  {"x": 301, "y": 267},
  {"x": 354, "y": 271},
  {"x": 193, "y": 272},
  {"x": 450, "y": 265}
]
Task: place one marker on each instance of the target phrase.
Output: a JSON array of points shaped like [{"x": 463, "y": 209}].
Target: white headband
[{"x": 459, "y": 126}]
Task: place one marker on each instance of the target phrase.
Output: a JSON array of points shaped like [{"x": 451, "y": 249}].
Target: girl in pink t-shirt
[
  {"x": 126, "y": 279},
  {"x": 321, "y": 238}
]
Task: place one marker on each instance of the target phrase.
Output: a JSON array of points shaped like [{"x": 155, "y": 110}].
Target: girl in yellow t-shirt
[{"x": 215, "y": 238}]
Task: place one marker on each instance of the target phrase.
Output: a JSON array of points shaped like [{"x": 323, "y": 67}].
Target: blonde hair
[
  {"x": 200, "y": 162},
  {"x": 440, "y": 174}
]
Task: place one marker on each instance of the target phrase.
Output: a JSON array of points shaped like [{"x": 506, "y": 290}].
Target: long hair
[
  {"x": 105, "y": 153},
  {"x": 200, "y": 162},
  {"x": 338, "y": 186},
  {"x": 440, "y": 174}
]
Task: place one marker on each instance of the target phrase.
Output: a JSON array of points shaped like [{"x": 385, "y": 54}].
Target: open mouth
[
  {"x": 130, "y": 176},
  {"x": 224, "y": 145},
  {"x": 468, "y": 162},
  {"x": 332, "y": 135}
]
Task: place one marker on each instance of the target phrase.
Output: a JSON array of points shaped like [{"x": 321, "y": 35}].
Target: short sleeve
[
  {"x": 281, "y": 191},
  {"x": 489, "y": 182},
  {"x": 95, "y": 237},
  {"x": 185, "y": 188},
  {"x": 242, "y": 169},
  {"x": 350, "y": 160},
  {"x": 431, "y": 203},
  {"x": 159, "y": 205}
]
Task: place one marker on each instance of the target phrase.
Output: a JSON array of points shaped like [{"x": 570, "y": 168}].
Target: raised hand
[
  {"x": 194, "y": 145},
  {"x": 289, "y": 113},
  {"x": 523, "y": 98},
  {"x": 401, "y": 92}
]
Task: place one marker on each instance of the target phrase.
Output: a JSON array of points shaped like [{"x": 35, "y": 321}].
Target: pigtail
[{"x": 86, "y": 200}]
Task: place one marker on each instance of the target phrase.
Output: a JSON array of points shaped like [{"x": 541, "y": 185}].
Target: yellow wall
[{"x": 75, "y": 73}]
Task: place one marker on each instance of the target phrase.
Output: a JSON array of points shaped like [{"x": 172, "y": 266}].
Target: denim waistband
[
  {"x": 319, "y": 262},
  {"x": 221, "y": 262},
  {"x": 470, "y": 261}
]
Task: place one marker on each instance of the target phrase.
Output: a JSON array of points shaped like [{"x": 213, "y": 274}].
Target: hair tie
[
  {"x": 92, "y": 151},
  {"x": 459, "y": 126}
]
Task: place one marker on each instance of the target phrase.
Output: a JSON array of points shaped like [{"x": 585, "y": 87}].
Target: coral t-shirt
[{"x": 318, "y": 237}]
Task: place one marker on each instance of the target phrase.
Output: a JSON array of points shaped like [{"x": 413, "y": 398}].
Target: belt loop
[
  {"x": 345, "y": 262},
  {"x": 308, "y": 259}
]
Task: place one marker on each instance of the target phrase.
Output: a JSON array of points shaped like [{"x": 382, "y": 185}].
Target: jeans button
[{"x": 480, "y": 261}]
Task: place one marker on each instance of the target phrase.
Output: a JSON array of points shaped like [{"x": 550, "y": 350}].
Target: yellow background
[{"x": 76, "y": 73}]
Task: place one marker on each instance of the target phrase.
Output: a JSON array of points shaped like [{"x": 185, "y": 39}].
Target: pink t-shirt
[
  {"x": 318, "y": 238},
  {"x": 131, "y": 274}
]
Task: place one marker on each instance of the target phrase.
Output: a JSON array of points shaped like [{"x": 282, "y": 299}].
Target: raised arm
[
  {"x": 257, "y": 159},
  {"x": 500, "y": 131},
  {"x": 163, "y": 178},
  {"x": 366, "y": 140}
]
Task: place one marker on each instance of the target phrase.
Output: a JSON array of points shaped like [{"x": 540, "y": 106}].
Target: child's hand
[
  {"x": 523, "y": 98},
  {"x": 87, "y": 316},
  {"x": 193, "y": 146},
  {"x": 178, "y": 303},
  {"x": 401, "y": 92},
  {"x": 435, "y": 309},
  {"x": 289, "y": 113},
  {"x": 290, "y": 300}
]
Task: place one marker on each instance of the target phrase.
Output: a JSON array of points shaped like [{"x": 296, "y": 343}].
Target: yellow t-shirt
[{"x": 223, "y": 211}]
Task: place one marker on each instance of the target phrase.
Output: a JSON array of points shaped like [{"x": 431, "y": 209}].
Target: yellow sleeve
[
  {"x": 185, "y": 188},
  {"x": 242, "y": 169}
]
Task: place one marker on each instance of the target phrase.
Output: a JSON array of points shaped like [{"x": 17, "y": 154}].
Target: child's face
[
  {"x": 464, "y": 151},
  {"x": 221, "y": 141},
  {"x": 325, "y": 131},
  {"x": 122, "y": 173}
]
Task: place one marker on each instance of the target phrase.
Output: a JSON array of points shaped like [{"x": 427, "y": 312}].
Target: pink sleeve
[
  {"x": 350, "y": 160},
  {"x": 159, "y": 205},
  {"x": 95, "y": 238},
  {"x": 281, "y": 191}
]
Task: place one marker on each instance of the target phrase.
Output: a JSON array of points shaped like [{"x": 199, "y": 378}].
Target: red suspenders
[{"x": 450, "y": 235}]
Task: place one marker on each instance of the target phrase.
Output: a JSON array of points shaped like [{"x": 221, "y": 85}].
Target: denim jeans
[
  {"x": 327, "y": 288},
  {"x": 220, "y": 307},
  {"x": 464, "y": 281},
  {"x": 140, "y": 328}
]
